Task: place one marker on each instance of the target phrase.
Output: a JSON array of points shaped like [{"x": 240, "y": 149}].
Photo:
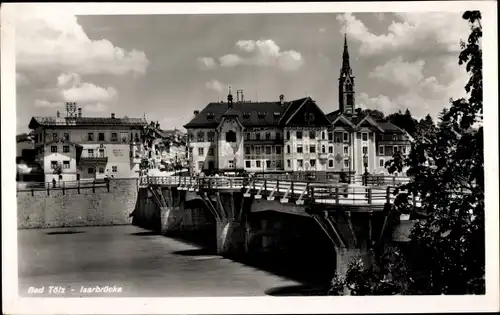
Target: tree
[
  {"x": 58, "y": 169},
  {"x": 447, "y": 171},
  {"x": 426, "y": 125},
  {"x": 378, "y": 115},
  {"x": 404, "y": 121}
]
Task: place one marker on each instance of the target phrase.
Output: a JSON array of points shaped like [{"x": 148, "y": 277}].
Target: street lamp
[{"x": 365, "y": 163}]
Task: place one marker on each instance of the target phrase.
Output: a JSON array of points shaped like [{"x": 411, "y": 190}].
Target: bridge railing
[{"x": 62, "y": 185}]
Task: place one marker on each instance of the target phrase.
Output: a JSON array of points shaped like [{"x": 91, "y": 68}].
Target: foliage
[
  {"x": 447, "y": 169},
  {"x": 144, "y": 165},
  {"x": 58, "y": 169}
]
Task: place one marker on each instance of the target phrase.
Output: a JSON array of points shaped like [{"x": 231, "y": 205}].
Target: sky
[{"x": 167, "y": 66}]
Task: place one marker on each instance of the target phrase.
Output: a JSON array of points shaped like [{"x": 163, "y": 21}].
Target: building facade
[
  {"x": 293, "y": 136},
  {"x": 87, "y": 147}
]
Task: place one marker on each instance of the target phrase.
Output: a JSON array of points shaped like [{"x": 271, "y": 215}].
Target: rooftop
[{"x": 85, "y": 121}]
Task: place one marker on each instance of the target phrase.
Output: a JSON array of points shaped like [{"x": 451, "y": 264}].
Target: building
[
  {"x": 81, "y": 147},
  {"x": 293, "y": 136}
]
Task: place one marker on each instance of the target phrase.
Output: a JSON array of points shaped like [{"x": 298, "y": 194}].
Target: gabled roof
[
  {"x": 250, "y": 114},
  {"x": 371, "y": 121},
  {"x": 63, "y": 141},
  {"x": 343, "y": 118},
  {"x": 85, "y": 121},
  {"x": 291, "y": 108}
]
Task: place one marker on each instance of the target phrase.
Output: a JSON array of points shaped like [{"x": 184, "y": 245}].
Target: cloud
[
  {"x": 21, "y": 79},
  {"x": 215, "y": 85},
  {"x": 207, "y": 62},
  {"x": 71, "y": 88},
  {"x": 53, "y": 41},
  {"x": 415, "y": 91},
  {"x": 419, "y": 32},
  {"x": 263, "y": 53}
]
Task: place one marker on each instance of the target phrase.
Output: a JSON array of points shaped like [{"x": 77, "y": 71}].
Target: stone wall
[{"x": 42, "y": 210}]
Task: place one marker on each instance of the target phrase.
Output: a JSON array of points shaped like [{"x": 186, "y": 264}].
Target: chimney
[
  {"x": 113, "y": 115},
  {"x": 230, "y": 99},
  {"x": 58, "y": 114},
  {"x": 237, "y": 96},
  {"x": 196, "y": 112},
  {"x": 157, "y": 125},
  {"x": 80, "y": 112},
  {"x": 282, "y": 99},
  {"x": 241, "y": 98}
]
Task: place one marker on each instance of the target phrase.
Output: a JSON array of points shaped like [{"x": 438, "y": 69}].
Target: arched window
[
  {"x": 323, "y": 135},
  {"x": 230, "y": 136},
  {"x": 323, "y": 149},
  {"x": 288, "y": 135},
  {"x": 287, "y": 149}
]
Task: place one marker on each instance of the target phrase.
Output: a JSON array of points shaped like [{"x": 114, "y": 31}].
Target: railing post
[
  {"x": 93, "y": 186},
  {"x": 107, "y": 184},
  {"x": 291, "y": 188},
  {"x": 337, "y": 200},
  {"x": 62, "y": 188},
  {"x": 253, "y": 184},
  {"x": 265, "y": 186},
  {"x": 370, "y": 196},
  {"x": 32, "y": 192},
  {"x": 278, "y": 186},
  {"x": 394, "y": 180},
  {"x": 48, "y": 189},
  {"x": 230, "y": 182},
  {"x": 311, "y": 194},
  {"x": 388, "y": 195},
  {"x": 78, "y": 187}
]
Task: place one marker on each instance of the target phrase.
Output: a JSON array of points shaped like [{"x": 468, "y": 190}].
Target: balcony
[
  {"x": 94, "y": 159},
  {"x": 323, "y": 156}
]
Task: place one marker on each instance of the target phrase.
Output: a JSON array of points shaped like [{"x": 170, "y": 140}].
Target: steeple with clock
[{"x": 346, "y": 84}]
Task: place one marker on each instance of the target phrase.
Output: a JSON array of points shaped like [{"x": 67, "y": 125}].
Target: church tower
[{"x": 346, "y": 84}]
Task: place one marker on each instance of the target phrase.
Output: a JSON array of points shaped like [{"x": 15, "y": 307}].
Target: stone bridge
[{"x": 353, "y": 218}]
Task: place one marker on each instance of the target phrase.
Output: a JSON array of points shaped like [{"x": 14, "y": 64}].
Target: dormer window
[
  {"x": 210, "y": 116},
  {"x": 261, "y": 115},
  {"x": 276, "y": 114},
  {"x": 246, "y": 115}
]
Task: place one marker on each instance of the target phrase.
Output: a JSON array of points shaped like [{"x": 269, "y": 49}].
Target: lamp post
[{"x": 365, "y": 163}]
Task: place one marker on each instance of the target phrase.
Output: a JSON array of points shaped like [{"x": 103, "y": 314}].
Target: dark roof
[
  {"x": 250, "y": 114},
  {"x": 291, "y": 107},
  {"x": 85, "y": 121}
]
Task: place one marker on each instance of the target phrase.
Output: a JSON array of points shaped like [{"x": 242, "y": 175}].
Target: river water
[{"x": 128, "y": 261}]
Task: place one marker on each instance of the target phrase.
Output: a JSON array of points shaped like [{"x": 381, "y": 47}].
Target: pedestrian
[{"x": 53, "y": 183}]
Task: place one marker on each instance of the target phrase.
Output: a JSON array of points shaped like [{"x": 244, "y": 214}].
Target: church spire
[
  {"x": 346, "y": 83},
  {"x": 346, "y": 67}
]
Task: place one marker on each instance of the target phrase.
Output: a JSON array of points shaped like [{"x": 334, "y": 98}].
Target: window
[
  {"x": 90, "y": 137},
  {"x": 288, "y": 135},
  {"x": 278, "y": 136},
  {"x": 114, "y": 136},
  {"x": 313, "y": 163},
  {"x": 346, "y": 136},
  {"x": 123, "y": 137},
  {"x": 268, "y": 164},
  {"x": 53, "y": 164},
  {"x": 268, "y": 136},
  {"x": 346, "y": 163},
  {"x": 66, "y": 136},
  {"x": 54, "y": 136},
  {"x": 395, "y": 148},
  {"x": 257, "y": 164},
  {"x": 210, "y": 151},
  {"x": 65, "y": 149},
  {"x": 101, "y": 136},
  {"x": 231, "y": 164},
  {"x": 257, "y": 150},
  {"x": 365, "y": 150},
  {"x": 90, "y": 170},
  {"x": 403, "y": 149},
  {"x": 101, "y": 152},
  {"x": 53, "y": 149},
  {"x": 330, "y": 136},
  {"x": 248, "y": 164},
  {"x": 191, "y": 136},
  {"x": 330, "y": 149},
  {"x": 364, "y": 136},
  {"x": 114, "y": 168},
  {"x": 65, "y": 164},
  {"x": 323, "y": 135},
  {"x": 278, "y": 164},
  {"x": 200, "y": 165},
  {"x": 257, "y": 136},
  {"x": 268, "y": 150},
  {"x": 300, "y": 163},
  {"x": 210, "y": 136},
  {"x": 346, "y": 149},
  {"x": 394, "y": 137},
  {"x": 278, "y": 150},
  {"x": 247, "y": 136},
  {"x": 381, "y": 150},
  {"x": 299, "y": 135},
  {"x": 312, "y": 149},
  {"x": 201, "y": 151},
  {"x": 230, "y": 136},
  {"x": 381, "y": 162},
  {"x": 312, "y": 134},
  {"x": 201, "y": 136},
  {"x": 330, "y": 163},
  {"x": 288, "y": 149},
  {"x": 299, "y": 149},
  {"x": 289, "y": 163},
  {"x": 101, "y": 170},
  {"x": 323, "y": 149},
  {"x": 247, "y": 150}
]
